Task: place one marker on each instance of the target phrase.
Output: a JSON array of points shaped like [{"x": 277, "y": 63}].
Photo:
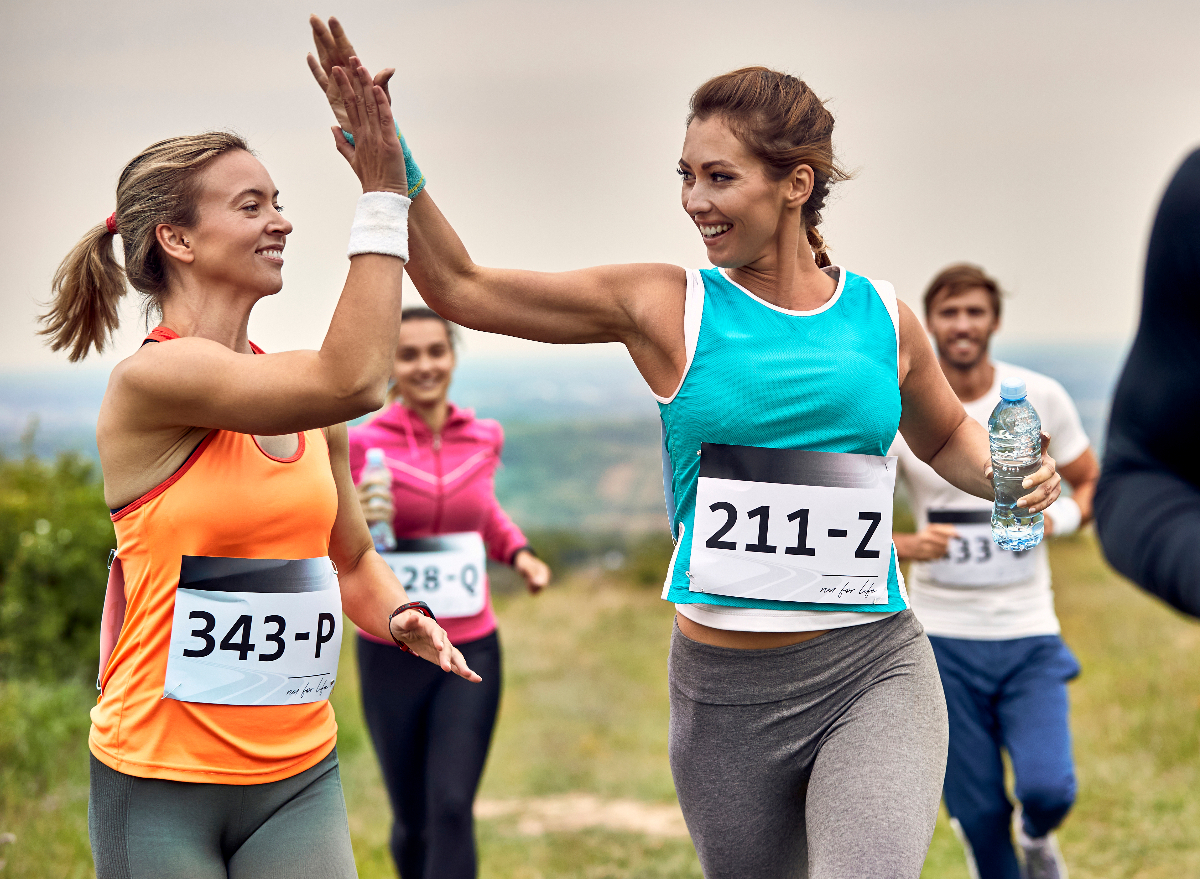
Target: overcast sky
[{"x": 1031, "y": 137}]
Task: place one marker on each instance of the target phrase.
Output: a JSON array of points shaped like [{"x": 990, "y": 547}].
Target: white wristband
[
  {"x": 1066, "y": 516},
  {"x": 380, "y": 225}
]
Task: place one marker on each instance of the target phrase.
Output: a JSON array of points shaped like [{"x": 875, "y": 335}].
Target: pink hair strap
[{"x": 111, "y": 223}]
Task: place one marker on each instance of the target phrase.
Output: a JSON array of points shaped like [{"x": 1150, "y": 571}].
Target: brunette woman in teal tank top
[{"x": 808, "y": 726}]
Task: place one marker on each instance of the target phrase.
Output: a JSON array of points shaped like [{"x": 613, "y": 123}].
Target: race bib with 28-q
[
  {"x": 792, "y": 525},
  {"x": 254, "y": 631},
  {"x": 446, "y": 571},
  {"x": 972, "y": 558}
]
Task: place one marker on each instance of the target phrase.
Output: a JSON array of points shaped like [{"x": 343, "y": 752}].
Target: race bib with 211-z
[
  {"x": 254, "y": 631},
  {"x": 792, "y": 525}
]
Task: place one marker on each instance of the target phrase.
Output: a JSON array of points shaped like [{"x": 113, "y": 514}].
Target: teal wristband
[{"x": 416, "y": 180}]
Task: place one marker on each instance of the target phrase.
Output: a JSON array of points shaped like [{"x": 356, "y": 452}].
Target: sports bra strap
[
  {"x": 160, "y": 334},
  {"x": 163, "y": 334}
]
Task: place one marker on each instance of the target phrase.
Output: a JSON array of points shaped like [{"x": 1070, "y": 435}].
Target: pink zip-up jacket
[{"x": 443, "y": 485}]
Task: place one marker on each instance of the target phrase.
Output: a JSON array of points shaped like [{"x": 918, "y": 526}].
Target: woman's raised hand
[
  {"x": 375, "y": 155},
  {"x": 334, "y": 50}
]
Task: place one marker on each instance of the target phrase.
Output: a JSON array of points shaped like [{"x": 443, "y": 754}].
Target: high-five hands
[
  {"x": 375, "y": 155},
  {"x": 334, "y": 50}
]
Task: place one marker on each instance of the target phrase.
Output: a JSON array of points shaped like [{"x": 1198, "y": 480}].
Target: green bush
[
  {"x": 647, "y": 558},
  {"x": 55, "y": 536},
  {"x": 43, "y": 730}
]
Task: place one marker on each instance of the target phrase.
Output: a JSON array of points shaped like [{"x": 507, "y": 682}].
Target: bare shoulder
[
  {"x": 914, "y": 344},
  {"x": 159, "y": 364},
  {"x": 654, "y": 295}
]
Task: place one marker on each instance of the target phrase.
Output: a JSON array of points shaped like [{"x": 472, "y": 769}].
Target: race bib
[
  {"x": 790, "y": 525},
  {"x": 973, "y": 559},
  {"x": 445, "y": 571},
  {"x": 254, "y": 631}
]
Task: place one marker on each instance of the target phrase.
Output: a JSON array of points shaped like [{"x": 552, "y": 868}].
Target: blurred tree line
[{"x": 55, "y": 536}]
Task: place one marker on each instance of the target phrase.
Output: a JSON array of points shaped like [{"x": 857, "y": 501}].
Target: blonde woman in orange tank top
[{"x": 239, "y": 535}]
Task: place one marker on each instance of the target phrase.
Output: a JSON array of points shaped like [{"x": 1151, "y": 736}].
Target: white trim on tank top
[
  {"x": 887, "y": 294},
  {"x": 693, "y": 311},
  {"x": 837, "y": 294}
]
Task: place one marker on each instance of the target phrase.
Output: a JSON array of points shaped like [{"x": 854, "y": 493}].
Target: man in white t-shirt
[{"x": 989, "y": 612}]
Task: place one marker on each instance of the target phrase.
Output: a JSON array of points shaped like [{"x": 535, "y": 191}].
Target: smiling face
[
  {"x": 239, "y": 238},
  {"x": 424, "y": 362},
  {"x": 962, "y": 324},
  {"x": 726, "y": 191}
]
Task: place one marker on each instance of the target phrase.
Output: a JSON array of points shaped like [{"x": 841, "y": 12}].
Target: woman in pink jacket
[{"x": 432, "y": 735}]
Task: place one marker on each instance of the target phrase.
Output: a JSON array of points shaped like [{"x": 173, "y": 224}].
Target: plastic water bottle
[
  {"x": 1016, "y": 441},
  {"x": 377, "y": 475}
]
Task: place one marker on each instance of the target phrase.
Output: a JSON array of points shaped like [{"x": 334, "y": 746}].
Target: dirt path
[{"x": 573, "y": 812}]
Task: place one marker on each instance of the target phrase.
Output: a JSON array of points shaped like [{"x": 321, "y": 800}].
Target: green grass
[{"x": 585, "y": 709}]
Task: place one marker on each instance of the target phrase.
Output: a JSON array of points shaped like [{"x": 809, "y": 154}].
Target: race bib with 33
[
  {"x": 791, "y": 525},
  {"x": 254, "y": 631},
  {"x": 972, "y": 558},
  {"x": 445, "y": 571}
]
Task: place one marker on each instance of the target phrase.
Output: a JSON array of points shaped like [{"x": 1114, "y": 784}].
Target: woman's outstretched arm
[{"x": 640, "y": 305}]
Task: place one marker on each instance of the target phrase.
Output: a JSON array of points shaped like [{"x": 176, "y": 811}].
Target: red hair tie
[{"x": 111, "y": 223}]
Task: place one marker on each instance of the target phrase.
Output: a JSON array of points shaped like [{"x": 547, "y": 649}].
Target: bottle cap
[
  {"x": 375, "y": 456},
  {"x": 1010, "y": 389}
]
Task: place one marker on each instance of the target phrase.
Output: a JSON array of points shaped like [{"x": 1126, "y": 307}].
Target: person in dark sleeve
[{"x": 1148, "y": 501}]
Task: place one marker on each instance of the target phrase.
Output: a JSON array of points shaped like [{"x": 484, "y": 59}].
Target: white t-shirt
[{"x": 987, "y": 611}]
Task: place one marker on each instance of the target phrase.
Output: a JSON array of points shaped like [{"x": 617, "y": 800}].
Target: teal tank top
[{"x": 759, "y": 375}]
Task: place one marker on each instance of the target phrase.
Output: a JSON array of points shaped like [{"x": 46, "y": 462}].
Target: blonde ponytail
[
  {"x": 161, "y": 185},
  {"x": 87, "y": 287}
]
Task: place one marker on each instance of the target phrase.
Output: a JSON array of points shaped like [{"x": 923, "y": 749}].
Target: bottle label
[
  {"x": 973, "y": 558},
  {"x": 254, "y": 631},
  {"x": 793, "y": 525},
  {"x": 446, "y": 571}
]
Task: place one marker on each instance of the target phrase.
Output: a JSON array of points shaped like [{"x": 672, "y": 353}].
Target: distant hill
[{"x": 583, "y": 439}]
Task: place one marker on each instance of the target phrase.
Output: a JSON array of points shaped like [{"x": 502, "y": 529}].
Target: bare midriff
[{"x": 741, "y": 640}]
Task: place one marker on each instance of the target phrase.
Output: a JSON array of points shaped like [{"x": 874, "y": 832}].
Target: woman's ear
[
  {"x": 174, "y": 242},
  {"x": 800, "y": 186}
]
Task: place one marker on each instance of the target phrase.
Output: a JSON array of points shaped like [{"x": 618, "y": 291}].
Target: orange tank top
[{"x": 228, "y": 522}]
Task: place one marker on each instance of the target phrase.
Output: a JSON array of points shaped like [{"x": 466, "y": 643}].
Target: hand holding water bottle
[
  {"x": 1019, "y": 463},
  {"x": 375, "y": 497}
]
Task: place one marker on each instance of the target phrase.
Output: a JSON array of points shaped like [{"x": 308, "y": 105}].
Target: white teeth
[
  {"x": 275, "y": 254},
  {"x": 711, "y": 231}
]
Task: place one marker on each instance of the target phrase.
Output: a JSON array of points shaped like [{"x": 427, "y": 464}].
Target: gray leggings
[
  {"x": 146, "y": 828},
  {"x": 824, "y": 759}
]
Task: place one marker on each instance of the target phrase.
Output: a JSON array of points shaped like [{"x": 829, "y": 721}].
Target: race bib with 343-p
[
  {"x": 446, "y": 571},
  {"x": 972, "y": 557},
  {"x": 254, "y": 631},
  {"x": 791, "y": 525}
]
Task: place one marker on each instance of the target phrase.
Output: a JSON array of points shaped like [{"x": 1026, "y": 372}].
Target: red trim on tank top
[
  {"x": 169, "y": 481},
  {"x": 290, "y": 460},
  {"x": 164, "y": 334}
]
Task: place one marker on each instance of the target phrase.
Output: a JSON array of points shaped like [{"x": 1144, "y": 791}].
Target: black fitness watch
[{"x": 420, "y": 607}]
